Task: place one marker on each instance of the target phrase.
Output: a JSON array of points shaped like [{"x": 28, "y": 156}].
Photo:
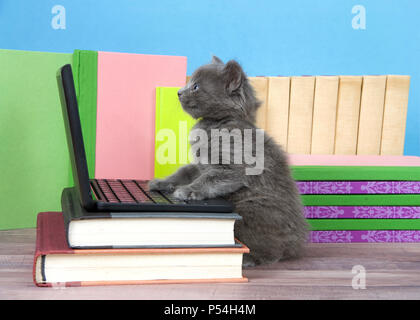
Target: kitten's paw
[
  {"x": 161, "y": 185},
  {"x": 187, "y": 193}
]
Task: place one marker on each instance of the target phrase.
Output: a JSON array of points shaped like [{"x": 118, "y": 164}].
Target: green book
[
  {"x": 361, "y": 200},
  {"x": 33, "y": 155},
  {"x": 364, "y": 224},
  {"x": 172, "y": 128},
  {"x": 352, "y": 173},
  {"x": 85, "y": 74}
]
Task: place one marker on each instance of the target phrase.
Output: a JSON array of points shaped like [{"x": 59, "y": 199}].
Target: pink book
[
  {"x": 125, "y": 132},
  {"x": 350, "y": 160}
]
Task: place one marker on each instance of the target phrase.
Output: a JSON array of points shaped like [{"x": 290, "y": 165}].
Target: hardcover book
[
  {"x": 300, "y": 114},
  {"x": 125, "y": 130},
  {"x": 324, "y": 115},
  {"x": 173, "y": 126},
  {"x": 355, "y": 173},
  {"x": 55, "y": 264},
  {"x": 358, "y": 187},
  {"x": 371, "y": 115},
  {"x": 362, "y": 212},
  {"x": 85, "y": 74},
  {"x": 395, "y": 114},
  {"x": 260, "y": 85},
  {"x": 352, "y": 160},
  {"x": 364, "y": 224},
  {"x": 370, "y": 236},
  {"x": 361, "y": 199},
  {"x": 277, "y": 117},
  {"x": 144, "y": 229},
  {"x": 348, "y": 109},
  {"x": 34, "y": 157}
]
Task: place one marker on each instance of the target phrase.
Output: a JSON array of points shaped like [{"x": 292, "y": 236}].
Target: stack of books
[
  {"x": 80, "y": 248},
  {"x": 360, "y": 198}
]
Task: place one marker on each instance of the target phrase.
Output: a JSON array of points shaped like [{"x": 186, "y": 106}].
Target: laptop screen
[{"x": 74, "y": 135}]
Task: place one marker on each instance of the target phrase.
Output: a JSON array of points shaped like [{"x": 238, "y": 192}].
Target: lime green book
[
  {"x": 34, "y": 158},
  {"x": 364, "y": 224},
  {"x": 172, "y": 129},
  {"x": 361, "y": 200}
]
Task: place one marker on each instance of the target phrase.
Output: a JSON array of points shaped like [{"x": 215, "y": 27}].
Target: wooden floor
[{"x": 393, "y": 272}]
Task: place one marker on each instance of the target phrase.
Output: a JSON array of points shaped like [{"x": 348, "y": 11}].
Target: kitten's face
[{"x": 215, "y": 91}]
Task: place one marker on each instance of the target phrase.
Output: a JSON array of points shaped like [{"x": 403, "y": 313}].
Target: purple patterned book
[
  {"x": 365, "y": 236},
  {"x": 359, "y": 187},
  {"x": 362, "y": 212}
]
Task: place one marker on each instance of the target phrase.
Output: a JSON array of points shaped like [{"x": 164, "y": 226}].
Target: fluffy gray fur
[{"x": 273, "y": 227}]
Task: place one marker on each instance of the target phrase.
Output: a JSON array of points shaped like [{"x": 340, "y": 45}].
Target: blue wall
[{"x": 269, "y": 37}]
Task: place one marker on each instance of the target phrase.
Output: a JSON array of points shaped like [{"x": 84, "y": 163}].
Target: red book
[{"x": 55, "y": 264}]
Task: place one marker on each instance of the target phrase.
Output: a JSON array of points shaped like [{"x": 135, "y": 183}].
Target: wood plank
[
  {"x": 325, "y": 114},
  {"x": 348, "y": 108},
  {"x": 300, "y": 115},
  {"x": 371, "y": 115},
  {"x": 277, "y": 119},
  {"x": 260, "y": 85},
  {"x": 324, "y": 272},
  {"x": 395, "y": 115}
]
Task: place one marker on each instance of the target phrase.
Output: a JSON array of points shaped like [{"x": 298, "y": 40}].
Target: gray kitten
[{"x": 273, "y": 226}]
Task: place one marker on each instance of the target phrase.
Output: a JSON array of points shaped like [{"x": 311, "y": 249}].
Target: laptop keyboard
[{"x": 129, "y": 191}]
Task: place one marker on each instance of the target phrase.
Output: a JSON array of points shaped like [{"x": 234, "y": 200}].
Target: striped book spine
[
  {"x": 358, "y": 187},
  {"x": 368, "y": 236},
  {"x": 362, "y": 212}
]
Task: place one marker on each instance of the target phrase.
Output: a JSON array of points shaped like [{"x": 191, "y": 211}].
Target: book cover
[
  {"x": 125, "y": 132},
  {"x": 34, "y": 155},
  {"x": 173, "y": 126},
  {"x": 358, "y": 187},
  {"x": 364, "y": 224},
  {"x": 324, "y": 116},
  {"x": 362, "y": 212},
  {"x": 368, "y": 236},
  {"x": 395, "y": 115},
  {"x": 277, "y": 120},
  {"x": 354, "y": 173},
  {"x": 353, "y": 160},
  {"x": 73, "y": 211},
  {"x": 348, "y": 108},
  {"x": 51, "y": 240},
  {"x": 260, "y": 85},
  {"x": 371, "y": 115},
  {"x": 300, "y": 115},
  {"x": 361, "y": 199},
  {"x": 85, "y": 75}
]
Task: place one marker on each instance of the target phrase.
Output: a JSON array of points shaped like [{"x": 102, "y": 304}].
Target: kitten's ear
[
  {"x": 216, "y": 60},
  {"x": 233, "y": 76}
]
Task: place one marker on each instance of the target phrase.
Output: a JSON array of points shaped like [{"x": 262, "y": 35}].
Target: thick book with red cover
[{"x": 55, "y": 261}]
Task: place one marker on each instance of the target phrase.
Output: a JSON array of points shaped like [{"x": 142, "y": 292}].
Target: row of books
[
  {"x": 364, "y": 115},
  {"x": 360, "y": 198},
  {"x": 114, "y": 90},
  {"x": 79, "y": 248},
  {"x": 107, "y": 85},
  {"x": 346, "y": 199}
]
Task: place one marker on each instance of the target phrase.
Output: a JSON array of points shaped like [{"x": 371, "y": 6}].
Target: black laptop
[{"x": 115, "y": 194}]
